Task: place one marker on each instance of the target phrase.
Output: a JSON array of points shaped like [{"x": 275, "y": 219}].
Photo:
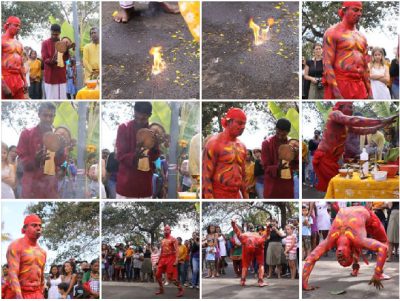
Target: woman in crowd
[
  {"x": 195, "y": 255},
  {"x": 92, "y": 287},
  {"x": 53, "y": 281},
  {"x": 222, "y": 251},
  {"x": 7, "y": 175},
  {"x": 69, "y": 277},
  {"x": 393, "y": 230},
  {"x": 258, "y": 173},
  {"x": 313, "y": 72},
  {"x": 275, "y": 250},
  {"x": 379, "y": 75},
  {"x": 146, "y": 265},
  {"x": 323, "y": 218}
]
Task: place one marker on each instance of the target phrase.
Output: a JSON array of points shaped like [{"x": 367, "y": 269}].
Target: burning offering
[{"x": 158, "y": 63}]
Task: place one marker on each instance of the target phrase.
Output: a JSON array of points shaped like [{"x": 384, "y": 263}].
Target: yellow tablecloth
[
  {"x": 187, "y": 195},
  {"x": 86, "y": 93},
  {"x": 355, "y": 188}
]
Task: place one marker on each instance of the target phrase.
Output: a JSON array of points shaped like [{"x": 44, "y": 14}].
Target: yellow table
[
  {"x": 186, "y": 195},
  {"x": 86, "y": 93},
  {"x": 355, "y": 188}
]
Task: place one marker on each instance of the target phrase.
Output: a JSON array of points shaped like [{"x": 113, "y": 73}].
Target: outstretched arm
[
  {"x": 236, "y": 230},
  {"x": 357, "y": 121},
  {"x": 311, "y": 259},
  {"x": 365, "y": 131},
  {"x": 381, "y": 249}
]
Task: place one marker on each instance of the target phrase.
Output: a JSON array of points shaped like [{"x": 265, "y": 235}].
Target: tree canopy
[
  {"x": 142, "y": 222},
  {"x": 69, "y": 228},
  {"x": 318, "y": 16},
  {"x": 255, "y": 212}
]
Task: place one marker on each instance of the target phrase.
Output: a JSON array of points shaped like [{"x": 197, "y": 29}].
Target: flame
[
  {"x": 158, "y": 64},
  {"x": 256, "y": 32},
  {"x": 260, "y": 34}
]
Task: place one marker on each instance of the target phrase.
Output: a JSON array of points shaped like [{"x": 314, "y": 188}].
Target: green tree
[
  {"x": 318, "y": 16},
  {"x": 144, "y": 221},
  {"x": 71, "y": 229}
]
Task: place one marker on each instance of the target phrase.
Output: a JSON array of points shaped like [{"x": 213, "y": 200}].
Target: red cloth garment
[
  {"x": 14, "y": 82},
  {"x": 52, "y": 73},
  {"x": 274, "y": 186},
  {"x": 33, "y": 218},
  {"x": 132, "y": 182},
  {"x": 35, "y": 184},
  {"x": 225, "y": 192},
  {"x": 32, "y": 293},
  {"x": 166, "y": 265},
  {"x": 326, "y": 167},
  {"x": 349, "y": 90}
]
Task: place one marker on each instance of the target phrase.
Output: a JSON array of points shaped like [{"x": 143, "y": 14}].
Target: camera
[{"x": 320, "y": 86}]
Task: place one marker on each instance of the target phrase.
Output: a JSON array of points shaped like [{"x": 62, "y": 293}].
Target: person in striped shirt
[{"x": 291, "y": 249}]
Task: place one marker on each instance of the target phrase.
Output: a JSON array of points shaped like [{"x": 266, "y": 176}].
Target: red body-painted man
[
  {"x": 348, "y": 234},
  {"x": 168, "y": 262},
  {"x": 345, "y": 51},
  {"x": 26, "y": 261},
  {"x": 252, "y": 249},
  {"x": 224, "y": 159},
  {"x": 331, "y": 148},
  {"x": 13, "y": 80}
]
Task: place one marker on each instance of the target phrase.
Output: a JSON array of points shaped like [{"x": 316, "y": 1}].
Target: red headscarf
[
  {"x": 33, "y": 218},
  {"x": 346, "y": 4},
  {"x": 341, "y": 103},
  {"x": 12, "y": 20},
  {"x": 233, "y": 113}
]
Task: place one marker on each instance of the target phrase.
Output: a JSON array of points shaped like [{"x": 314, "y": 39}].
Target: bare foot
[
  {"x": 170, "y": 7},
  {"x": 123, "y": 15}
]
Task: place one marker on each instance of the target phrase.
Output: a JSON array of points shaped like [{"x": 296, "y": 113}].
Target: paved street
[
  {"x": 142, "y": 290},
  {"x": 331, "y": 278}
]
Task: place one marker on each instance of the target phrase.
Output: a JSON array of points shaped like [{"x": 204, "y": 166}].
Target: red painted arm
[
  {"x": 365, "y": 131},
  {"x": 236, "y": 230},
  {"x": 13, "y": 260},
  {"x": 315, "y": 255},
  {"x": 354, "y": 121},
  {"x": 329, "y": 51},
  {"x": 209, "y": 163},
  {"x": 381, "y": 249}
]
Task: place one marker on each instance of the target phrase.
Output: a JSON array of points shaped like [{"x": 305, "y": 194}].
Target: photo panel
[
  {"x": 350, "y": 50},
  {"x": 51, "y": 250},
  {"x": 350, "y": 250},
  {"x": 250, "y": 150},
  {"x": 250, "y": 50},
  {"x": 250, "y": 250},
  {"x": 151, "y": 149},
  {"x": 350, "y": 150},
  {"x": 151, "y": 50},
  {"x": 50, "y": 150},
  {"x": 154, "y": 253},
  {"x": 50, "y": 50}
]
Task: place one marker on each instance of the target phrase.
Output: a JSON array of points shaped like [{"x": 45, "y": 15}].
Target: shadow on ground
[
  {"x": 233, "y": 67},
  {"x": 126, "y": 62}
]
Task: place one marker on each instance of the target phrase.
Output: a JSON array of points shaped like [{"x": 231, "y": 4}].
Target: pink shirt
[{"x": 291, "y": 242}]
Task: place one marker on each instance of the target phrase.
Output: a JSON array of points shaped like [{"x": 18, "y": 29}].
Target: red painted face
[
  {"x": 167, "y": 231},
  {"x": 14, "y": 28},
  {"x": 33, "y": 230},
  {"x": 347, "y": 109},
  {"x": 352, "y": 14},
  {"x": 343, "y": 252},
  {"x": 236, "y": 127}
]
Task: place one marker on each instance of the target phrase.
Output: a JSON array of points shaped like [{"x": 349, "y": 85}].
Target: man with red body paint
[
  {"x": 224, "y": 159},
  {"x": 252, "y": 249},
  {"x": 13, "y": 80},
  {"x": 168, "y": 262},
  {"x": 331, "y": 148},
  {"x": 345, "y": 50},
  {"x": 348, "y": 234},
  {"x": 26, "y": 261}
]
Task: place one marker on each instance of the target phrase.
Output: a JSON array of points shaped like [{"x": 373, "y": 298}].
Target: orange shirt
[
  {"x": 35, "y": 70},
  {"x": 182, "y": 253},
  {"x": 129, "y": 253}
]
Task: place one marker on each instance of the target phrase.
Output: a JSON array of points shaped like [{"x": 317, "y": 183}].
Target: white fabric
[
  {"x": 323, "y": 217},
  {"x": 53, "y": 290},
  {"x": 222, "y": 246},
  {"x": 6, "y": 191},
  {"x": 379, "y": 89},
  {"x": 126, "y": 4},
  {"x": 56, "y": 91}
]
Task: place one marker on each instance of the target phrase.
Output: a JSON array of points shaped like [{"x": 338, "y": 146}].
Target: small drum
[
  {"x": 61, "y": 46},
  {"x": 146, "y": 138},
  {"x": 290, "y": 151}
]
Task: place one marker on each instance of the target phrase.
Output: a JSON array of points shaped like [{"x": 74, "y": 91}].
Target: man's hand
[
  {"x": 41, "y": 156},
  {"x": 6, "y": 90},
  {"x": 376, "y": 282},
  {"x": 390, "y": 120},
  {"x": 175, "y": 263}
]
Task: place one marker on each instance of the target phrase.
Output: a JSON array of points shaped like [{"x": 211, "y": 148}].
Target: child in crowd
[
  {"x": 95, "y": 184},
  {"x": 62, "y": 290},
  {"x": 210, "y": 258},
  {"x": 78, "y": 291},
  {"x": 155, "y": 256},
  {"x": 306, "y": 221},
  {"x": 291, "y": 250}
]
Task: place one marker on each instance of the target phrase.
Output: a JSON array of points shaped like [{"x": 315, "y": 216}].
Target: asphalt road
[
  {"x": 146, "y": 290},
  {"x": 126, "y": 62},
  {"x": 228, "y": 287},
  {"x": 233, "y": 68},
  {"x": 331, "y": 278}
]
